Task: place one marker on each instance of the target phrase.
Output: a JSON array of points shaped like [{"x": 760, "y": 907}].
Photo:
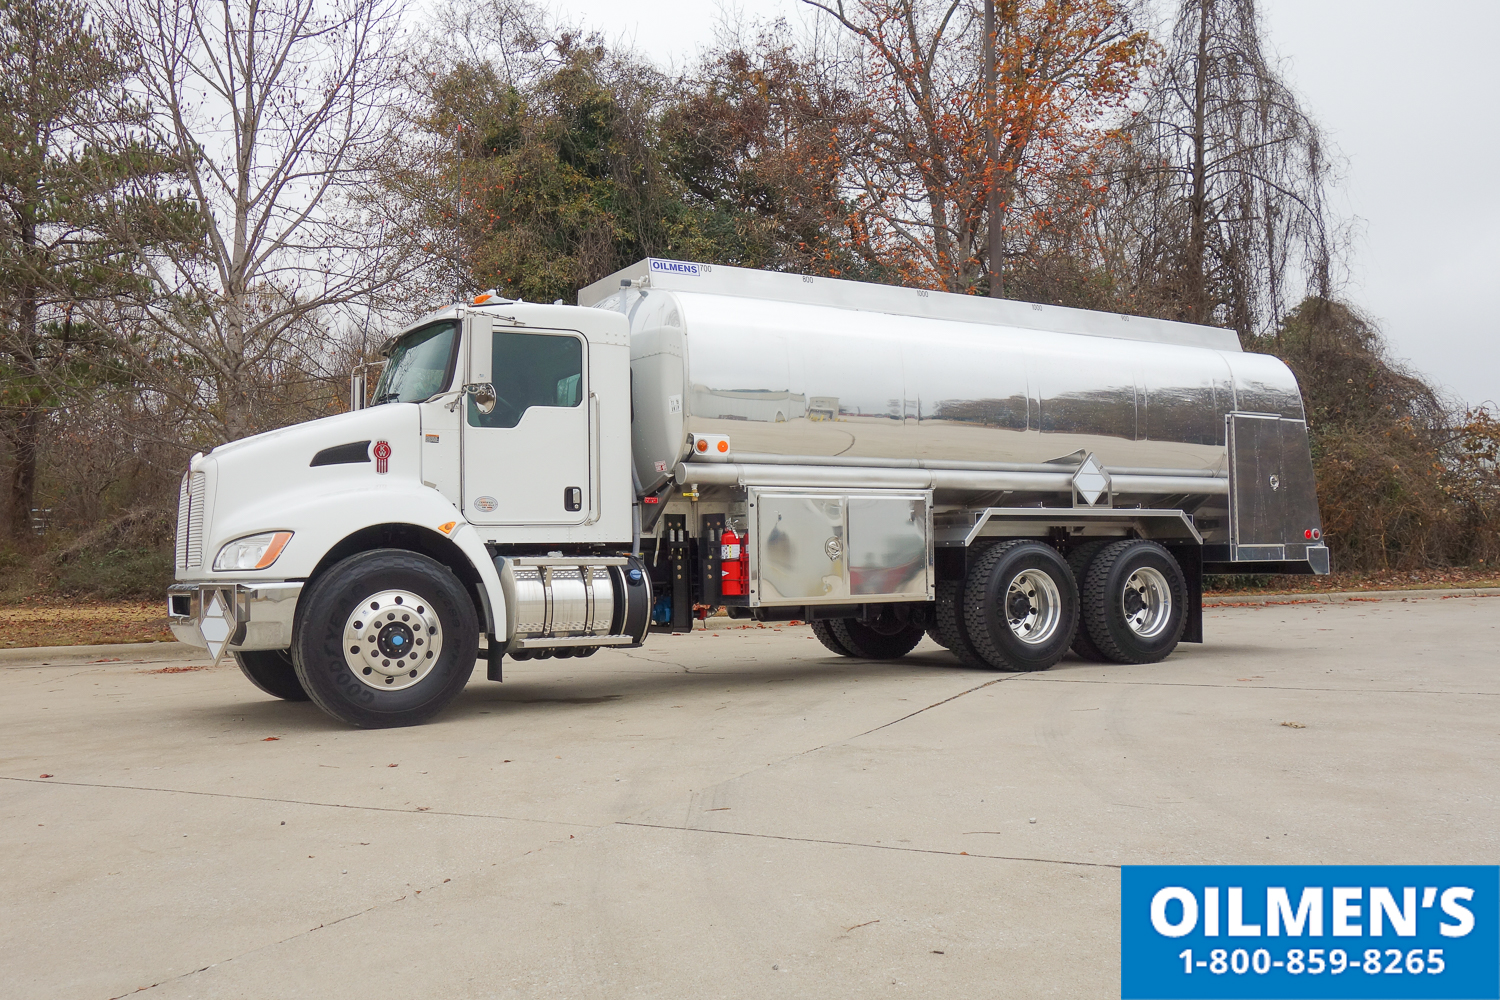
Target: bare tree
[
  {"x": 1242, "y": 168},
  {"x": 279, "y": 111},
  {"x": 977, "y": 112}
]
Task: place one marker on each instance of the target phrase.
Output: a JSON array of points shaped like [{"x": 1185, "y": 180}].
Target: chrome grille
[
  {"x": 189, "y": 548},
  {"x": 184, "y": 504}
]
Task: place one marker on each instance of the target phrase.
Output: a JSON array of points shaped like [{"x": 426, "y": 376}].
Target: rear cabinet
[
  {"x": 1275, "y": 501},
  {"x": 824, "y": 547}
]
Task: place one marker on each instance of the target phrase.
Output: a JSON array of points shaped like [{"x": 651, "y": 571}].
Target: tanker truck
[{"x": 1012, "y": 480}]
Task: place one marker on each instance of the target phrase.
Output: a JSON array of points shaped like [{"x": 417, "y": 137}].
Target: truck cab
[{"x": 496, "y": 431}]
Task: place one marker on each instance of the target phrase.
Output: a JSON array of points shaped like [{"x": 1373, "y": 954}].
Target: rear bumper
[
  {"x": 245, "y": 616},
  {"x": 1307, "y": 559}
]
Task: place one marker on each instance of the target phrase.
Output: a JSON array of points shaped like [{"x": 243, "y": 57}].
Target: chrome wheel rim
[
  {"x": 1033, "y": 606},
  {"x": 1146, "y": 602},
  {"x": 392, "y": 640}
]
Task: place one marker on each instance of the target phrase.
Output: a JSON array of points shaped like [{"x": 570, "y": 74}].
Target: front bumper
[{"x": 233, "y": 617}]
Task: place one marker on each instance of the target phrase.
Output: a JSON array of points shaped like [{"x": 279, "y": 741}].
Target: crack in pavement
[
  {"x": 877, "y": 847},
  {"x": 297, "y": 802},
  {"x": 908, "y": 715},
  {"x": 252, "y": 951}
]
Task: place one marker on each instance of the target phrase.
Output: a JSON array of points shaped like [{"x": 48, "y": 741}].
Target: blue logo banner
[{"x": 1293, "y": 932}]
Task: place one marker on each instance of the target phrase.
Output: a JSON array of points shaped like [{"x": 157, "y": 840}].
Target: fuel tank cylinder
[{"x": 824, "y": 371}]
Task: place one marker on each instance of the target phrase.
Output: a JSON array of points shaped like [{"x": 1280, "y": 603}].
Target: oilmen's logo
[
  {"x": 1309, "y": 931},
  {"x": 674, "y": 267}
]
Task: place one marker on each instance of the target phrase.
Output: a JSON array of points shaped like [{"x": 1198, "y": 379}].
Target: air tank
[{"x": 826, "y": 372}]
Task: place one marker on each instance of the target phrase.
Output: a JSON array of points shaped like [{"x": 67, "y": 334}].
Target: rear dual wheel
[
  {"x": 1134, "y": 602},
  {"x": 1019, "y": 606}
]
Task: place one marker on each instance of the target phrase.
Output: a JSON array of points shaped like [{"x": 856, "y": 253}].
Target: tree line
[{"x": 210, "y": 210}]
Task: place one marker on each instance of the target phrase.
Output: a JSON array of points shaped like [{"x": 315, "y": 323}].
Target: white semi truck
[{"x": 532, "y": 481}]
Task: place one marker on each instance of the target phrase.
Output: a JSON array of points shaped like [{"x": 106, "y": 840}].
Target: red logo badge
[{"x": 382, "y": 457}]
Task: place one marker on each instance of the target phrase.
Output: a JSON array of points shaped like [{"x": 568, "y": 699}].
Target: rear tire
[
  {"x": 1078, "y": 561},
  {"x": 823, "y": 629},
  {"x": 869, "y": 643},
  {"x": 273, "y": 672},
  {"x": 1135, "y": 602},
  {"x": 1020, "y": 606},
  {"x": 948, "y": 624},
  {"x": 385, "y": 638}
]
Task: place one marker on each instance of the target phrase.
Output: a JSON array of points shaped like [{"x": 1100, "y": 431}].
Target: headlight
[{"x": 252, "y": 552}]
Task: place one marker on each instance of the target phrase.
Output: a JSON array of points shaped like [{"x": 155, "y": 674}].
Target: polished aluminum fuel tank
[{"x": 825, "y": 371}]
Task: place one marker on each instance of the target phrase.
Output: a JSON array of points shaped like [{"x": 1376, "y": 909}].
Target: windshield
[{"x": 418, "y": 368}]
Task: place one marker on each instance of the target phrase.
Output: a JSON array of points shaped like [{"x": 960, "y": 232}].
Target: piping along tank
[{"x": 829, "y": 373}]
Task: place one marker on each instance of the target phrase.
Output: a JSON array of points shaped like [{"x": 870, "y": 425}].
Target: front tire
[
  {"x": 385, "y": 638},
  {"x": 273, "y": 672}
]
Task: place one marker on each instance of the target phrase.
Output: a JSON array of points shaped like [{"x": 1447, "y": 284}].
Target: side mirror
[
  {"x": 357, "y": 389},
  {"x": 481, "y": 349},
  {"x": 484, "y": 396}
]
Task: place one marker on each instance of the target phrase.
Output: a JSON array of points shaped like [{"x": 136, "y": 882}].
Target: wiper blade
[{"x": 386, "y": 397}]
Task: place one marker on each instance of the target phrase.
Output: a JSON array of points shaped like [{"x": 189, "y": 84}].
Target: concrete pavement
[{"x": 734, "y": 813}]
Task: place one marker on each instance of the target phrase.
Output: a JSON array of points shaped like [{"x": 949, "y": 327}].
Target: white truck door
[{"x": 528, "y": 460}]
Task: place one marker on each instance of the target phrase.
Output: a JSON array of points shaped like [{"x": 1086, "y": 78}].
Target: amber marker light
[{"x": 273, "y": 551}]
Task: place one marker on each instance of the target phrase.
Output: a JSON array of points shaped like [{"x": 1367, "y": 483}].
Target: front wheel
[
  {"x": 385, "y": 638},
  {"x": 273, "y": 672}
]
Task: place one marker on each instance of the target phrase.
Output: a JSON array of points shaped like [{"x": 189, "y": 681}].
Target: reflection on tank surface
[
  {"x": 801, "y": 548},
  {"x": 765, "y": 405},
  {"x": 887, "y": 546},
  {"x": 805, "y": 380},
  {"x": 1008, "y": 414}
]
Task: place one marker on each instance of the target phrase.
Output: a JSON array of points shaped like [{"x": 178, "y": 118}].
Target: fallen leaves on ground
[
  {"x": 1387, "y": 579},
  {"x": 62, "y": 621}
]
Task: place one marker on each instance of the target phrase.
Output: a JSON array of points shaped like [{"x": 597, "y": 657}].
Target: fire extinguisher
[{"x": 734, "y": 561}]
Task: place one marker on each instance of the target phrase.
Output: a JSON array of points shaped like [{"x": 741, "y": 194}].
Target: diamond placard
[{"x": 1090, "y": 481}]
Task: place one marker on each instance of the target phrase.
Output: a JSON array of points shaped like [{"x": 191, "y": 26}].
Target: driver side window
[{"x": 531, "y": 369}]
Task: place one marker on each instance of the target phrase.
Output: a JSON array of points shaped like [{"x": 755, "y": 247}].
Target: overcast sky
[{"x": 1407, "y": 91}]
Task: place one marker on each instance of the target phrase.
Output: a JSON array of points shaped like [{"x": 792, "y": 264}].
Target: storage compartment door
[
  {"x": 889, "y": 554},
  {"x": 1271, "y": 483},
  {"x": 800, "y": 544}
]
